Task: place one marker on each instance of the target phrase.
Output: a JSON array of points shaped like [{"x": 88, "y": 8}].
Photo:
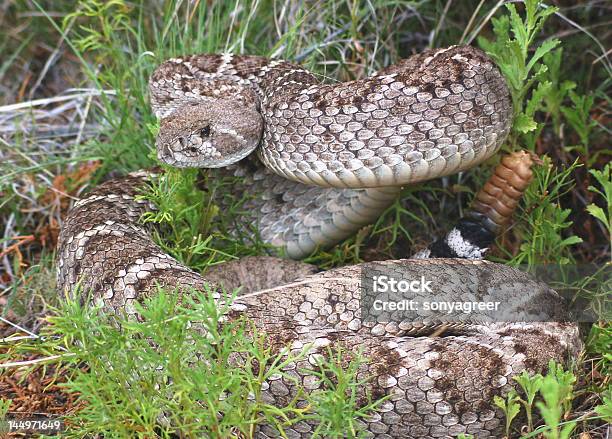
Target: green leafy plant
[
  {"x": 336, "y": 403},
  {"x": 598, "y": 343},
  {"x": 524, "y": 72},
  {"x": 392, "y": 222},
  {"x": 183, "y": 212},
  {"x": 101, "y": 32},
  {"x": 530, "y": 386},
  {"x": 552, "y": 394},
  {"x": 543, "y": 222},
  {"x": 604, "y": 178},
  {"x": 510, "y": 406},
  {"x": 154, "y": 356},
  {"x": 197, "y": 372},
  {"x": 4, "y": 407},
  {"x": 190, "y": 226},
  {"x": 579, "y": 116},
  {"x": 566, "y": 380},
  {"x": 5, "y": 404},
  {"x": 119, "y": 44},
  {"x": 557, "y": 393},
  {"x": 605, "y": 410},
  {"x": 553, "y": 100}
]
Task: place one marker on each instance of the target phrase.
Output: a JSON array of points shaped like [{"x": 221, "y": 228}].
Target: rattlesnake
[{"x": 329, "y": 159}]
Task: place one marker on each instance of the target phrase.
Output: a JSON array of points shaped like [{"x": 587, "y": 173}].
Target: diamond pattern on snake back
[{"x": 358, "y": 130}]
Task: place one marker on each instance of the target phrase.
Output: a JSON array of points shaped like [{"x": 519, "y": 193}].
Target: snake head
[{"x": 210, "y": 133}]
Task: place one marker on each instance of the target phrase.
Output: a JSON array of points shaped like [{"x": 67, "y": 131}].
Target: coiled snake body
[{"x": 330, "y": 159}]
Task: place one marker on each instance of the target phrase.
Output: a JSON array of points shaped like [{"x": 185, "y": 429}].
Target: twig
[
  {"x": 21, "y": 240},
  {"x": 38, "y": 360},
  {"x": 485, "y": 21},
  {"x": 10, "y": 339},
  {"x": 46, "y": 101},
  {"x": 15, "y": 325}
]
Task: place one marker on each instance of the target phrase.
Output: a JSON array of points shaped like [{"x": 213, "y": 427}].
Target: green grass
[
  {"x": 191, "y": 366},
  {"x": 191, "y": 226},
  {"x": 560, "y": 100}
]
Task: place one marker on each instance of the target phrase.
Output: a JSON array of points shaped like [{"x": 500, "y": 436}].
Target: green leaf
[
  {"x": 509, "y": 406},
  {"x": 605, "y": 409},
  {"x": 542, "y": 50},
  {"x": 540, "y": 72},
  {"x": 499, "y": 402},
  {"x": 513, "y": 410},
  {"x": 539, "y": 20},
  {"x": 566, "y": 86},
  {"x": 529, "y": 384},
  {"x": 4, "y": 407},
  {"x": 597, "y": 212},
  {"x": 518, "y": 27},
  {"x": 604, "y": 178},
  {"x": 571, "y": 241},
  {"x": 567, "y": 429},
  {"x": 579, "y": 116},
  {"x": 501, "y": 28},
  {"x": 524, "y": 123},
  {"x": 537, "y": 97}
]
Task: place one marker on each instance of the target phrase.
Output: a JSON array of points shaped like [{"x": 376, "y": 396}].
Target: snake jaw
[
  {"x": 212, "y": 134},
  {"x": 206, "y": 156}
]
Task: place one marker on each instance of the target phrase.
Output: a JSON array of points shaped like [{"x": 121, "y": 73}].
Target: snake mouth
[
  {"x": 229, "y": 159},
  {"x": 208, "y": 157}
]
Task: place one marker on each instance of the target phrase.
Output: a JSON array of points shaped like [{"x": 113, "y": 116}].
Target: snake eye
[{"x": 205, "y": 132}]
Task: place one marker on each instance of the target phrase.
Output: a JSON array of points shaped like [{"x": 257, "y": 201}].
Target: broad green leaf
[
  {"x": 597, "y": 212},
  {"x": 529, "y": 384},
  {"x": 499, "y": 402},
  {"x": 605, "y": 409},
  {"x": 524, "y": 123}
]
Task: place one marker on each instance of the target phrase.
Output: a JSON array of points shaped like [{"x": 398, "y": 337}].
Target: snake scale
[{"x": 328, "y": 158}]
